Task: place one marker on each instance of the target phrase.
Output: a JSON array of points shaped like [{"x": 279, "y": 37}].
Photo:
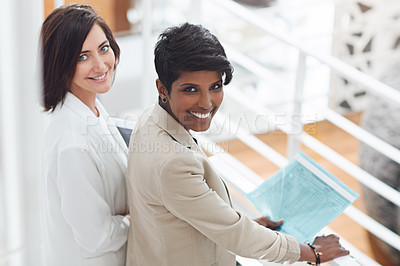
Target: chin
[
  {"x": 201, "y": 129},
  {"x": 104, "y": 90}
]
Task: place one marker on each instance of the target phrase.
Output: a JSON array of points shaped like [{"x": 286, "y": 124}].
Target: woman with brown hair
[{"x": 85, "y": 158}]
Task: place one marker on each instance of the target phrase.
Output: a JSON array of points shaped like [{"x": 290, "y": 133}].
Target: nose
[
  {"x": 205, "y": 100},
  {"x": 98, "y": 63}
]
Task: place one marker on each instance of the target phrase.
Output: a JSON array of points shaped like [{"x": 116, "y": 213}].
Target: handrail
[
  {"x": 253, "y": 142},
  {"x": 351, "y": 73},
  {"x": 239, "y": 174},
  {"x": 354, "y": 252},
  {"x": 386, "y": 235},
  {"x": 370, "y": 224},
  {"x": 253, "y": 66},
  {"x": 373, "y": 226},
  {"x": 331, "y": 115},
  {"x": 367, "y": 179},
  {"x": 360, "y": 133}
]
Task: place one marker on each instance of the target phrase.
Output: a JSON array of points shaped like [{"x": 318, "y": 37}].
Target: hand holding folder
[{"x": 305, "y": 195}]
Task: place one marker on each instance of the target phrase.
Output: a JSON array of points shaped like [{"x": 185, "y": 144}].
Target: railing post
[{"x": 293, "y": 141}]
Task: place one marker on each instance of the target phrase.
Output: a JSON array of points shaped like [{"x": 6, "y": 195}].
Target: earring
[{"x": 164, "y": 100}]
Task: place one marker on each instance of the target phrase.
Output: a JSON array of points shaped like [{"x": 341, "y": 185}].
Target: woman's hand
[
  {"x": 265, "y": 221},
  {"x": 128, "y": 216},
  {"x": 329, "y": 246}
]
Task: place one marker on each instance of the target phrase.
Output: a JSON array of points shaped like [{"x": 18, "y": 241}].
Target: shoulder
[
  {"x": 66, "y": 130},
  {"x": 153, "y": 140},
  {"x": 184, "y": 164}
]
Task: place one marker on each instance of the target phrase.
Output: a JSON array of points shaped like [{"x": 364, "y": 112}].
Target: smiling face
[
  {"x": 95, "y": 67},
  {"x": 194, "y": 98}
]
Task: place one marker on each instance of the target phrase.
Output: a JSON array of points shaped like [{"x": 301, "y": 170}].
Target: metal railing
[
  {"x": 372, "y": 85},
  {"x": 242, "y": 180}
]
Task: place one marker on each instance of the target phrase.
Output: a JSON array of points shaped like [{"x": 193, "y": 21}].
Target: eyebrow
[
  {"x": 193, "y": 84},
  {"x": 188, "y": 84},
  {"x": 86, "y": 51}
]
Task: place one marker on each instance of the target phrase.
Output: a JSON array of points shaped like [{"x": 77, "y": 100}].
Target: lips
[
  {"x": 99, "y": 78},
  {"x": 201, "y": 115}
]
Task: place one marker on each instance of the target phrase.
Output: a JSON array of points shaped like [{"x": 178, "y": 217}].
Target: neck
[
  {"x": 89, "y": 99},
  {"x": 167, "y": 108}
]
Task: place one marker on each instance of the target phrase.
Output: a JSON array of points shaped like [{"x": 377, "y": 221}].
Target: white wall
[{"x": 20, "y": 132}]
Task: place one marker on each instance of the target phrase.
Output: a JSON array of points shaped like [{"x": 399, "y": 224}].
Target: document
[{"x": 305, "y": 195}]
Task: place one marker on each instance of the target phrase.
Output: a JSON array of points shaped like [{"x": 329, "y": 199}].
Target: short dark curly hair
[
  {"x": 62, "y": 35},
  {"x": 189, "y": 47}
]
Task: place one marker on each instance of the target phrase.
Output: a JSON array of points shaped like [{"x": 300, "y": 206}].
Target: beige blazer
[{"x": 180, "y": 207}]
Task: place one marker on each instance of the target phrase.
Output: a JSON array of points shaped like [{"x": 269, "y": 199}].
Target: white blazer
[{"x": 84, "y": 203}]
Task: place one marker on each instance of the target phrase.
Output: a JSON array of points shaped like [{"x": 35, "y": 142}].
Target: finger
[
  {"x": 272, "y": 224},
  {"x": 333, "y": 236},
  {"x": 261, "y": 221},
  {"x": 277, "y": 223}
]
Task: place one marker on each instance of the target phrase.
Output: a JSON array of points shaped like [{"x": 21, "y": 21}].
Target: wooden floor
[{"x": 339, "y": 141}]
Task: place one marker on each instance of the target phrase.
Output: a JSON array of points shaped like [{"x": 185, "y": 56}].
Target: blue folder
[{"x": 305, "y": 195}]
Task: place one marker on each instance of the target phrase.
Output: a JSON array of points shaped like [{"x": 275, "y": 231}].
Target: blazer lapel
[
  {"x": 161, "y": 118},
  {"x": 165, "y": 121}
]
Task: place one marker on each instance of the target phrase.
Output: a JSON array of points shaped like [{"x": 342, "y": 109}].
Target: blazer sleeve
[
  {"x": 186, "y": 194},
  {"x": 83, "y": 206}
]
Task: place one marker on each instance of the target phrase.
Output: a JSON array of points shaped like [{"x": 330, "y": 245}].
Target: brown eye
[
  {"x": 216, "y": 86},
  {"x": 189, "y": 89}
]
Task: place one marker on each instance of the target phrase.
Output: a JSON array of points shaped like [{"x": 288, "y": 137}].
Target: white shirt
[{"x": 84, "y": 201}]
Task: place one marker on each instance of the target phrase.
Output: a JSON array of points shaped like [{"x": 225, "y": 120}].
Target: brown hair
[{"x": 63, "y": 33}]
